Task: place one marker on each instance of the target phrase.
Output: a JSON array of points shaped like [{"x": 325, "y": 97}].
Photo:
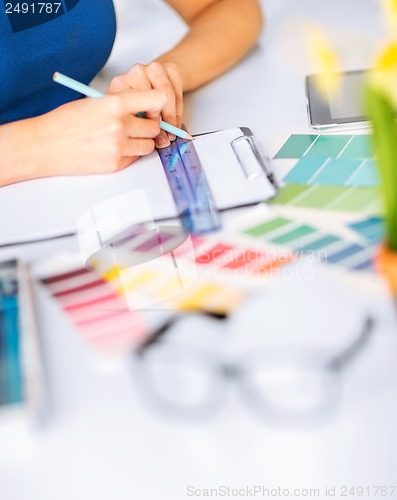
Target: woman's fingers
[
  {"x": 126, "y": 161},
  {"x": 164, "y": 78},
  {"x": 133, "y": 79},
  {"x": 176, "y": 81},
  {"x": 142, "y": 127},
  {"x": 138, "y": 147},
  {"x": 150, "y": 101},
  {"x": 159, "y": 79},
  {"x": 101, "y": 135}
]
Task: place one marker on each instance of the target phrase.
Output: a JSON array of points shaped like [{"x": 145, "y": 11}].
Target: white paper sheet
[{"x": 48, "y": 207}]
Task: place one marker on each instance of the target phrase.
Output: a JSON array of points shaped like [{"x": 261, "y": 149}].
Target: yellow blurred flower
[
  {"x": 385, "y": 72},
  {"x": 326, "y": 61},
  {"x": 390, "y": 8}
]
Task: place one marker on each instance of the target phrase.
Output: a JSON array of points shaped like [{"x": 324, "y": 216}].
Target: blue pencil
[{"x": 89, "y": 92}]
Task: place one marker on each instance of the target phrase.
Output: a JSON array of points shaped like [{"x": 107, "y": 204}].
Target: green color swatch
[
  {"x": 336, "y": 198},
  {"x": 319, "y": 244},
  {"x": 336, "y": 172},
  {"x": 328, "y": 146},
  {"x": 350, "y": 147},
  {"x": 304, "y": 170},
  {"x": 288, "y": 193},
  {"x": 365, "y": 176},
  {"x": 319, "y": 197},
  {"x": 358, "y": 199},
  {"x": 299, "y": 232},
  {"x": 358, "y": 148},
  {"x": 266, "y": 227},
  {"x": 296, "y": 146}
]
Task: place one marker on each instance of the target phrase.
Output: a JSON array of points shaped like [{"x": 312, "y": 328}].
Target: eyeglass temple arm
[
  {"x": 163, "y": 329},
  {"x": 341, "y": 361}
]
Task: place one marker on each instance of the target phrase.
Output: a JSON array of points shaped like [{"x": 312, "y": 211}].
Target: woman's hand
[
  {"x": 96, "y": 136},
  {"x": 165, "y": 78}
]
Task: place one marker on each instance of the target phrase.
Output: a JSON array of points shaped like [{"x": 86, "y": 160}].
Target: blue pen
[{"x": 66, "y": 81}]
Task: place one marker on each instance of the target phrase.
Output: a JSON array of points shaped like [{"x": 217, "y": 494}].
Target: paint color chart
[
  {"x": 111, "y": 309},
  {"x": 119, "y": 308},
  {"x": 371, "y": 230},
  {"x": 332, "y": 198},
  {"x": 347, "y": 147},
  {"x": 102, "y": 312},
  {"x": 135, "y": 284},
  {"x": 333, "y": 172},
  {"x": 95, "y": 308},
  {"x": 11, "y": 380},
  {"x": 305, "y": 239}
]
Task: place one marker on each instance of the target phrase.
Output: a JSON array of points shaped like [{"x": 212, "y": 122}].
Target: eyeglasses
[{"x": 283, "y": 384}]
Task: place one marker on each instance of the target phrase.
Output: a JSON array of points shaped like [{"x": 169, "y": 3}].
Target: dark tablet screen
[{"x": 346, "y": 106}]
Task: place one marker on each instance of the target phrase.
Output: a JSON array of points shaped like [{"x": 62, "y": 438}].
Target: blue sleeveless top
[{"x": 37, "y": 38}]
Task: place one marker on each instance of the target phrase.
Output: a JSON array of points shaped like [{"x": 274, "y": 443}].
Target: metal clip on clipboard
[{"x": 253, "y": 162}]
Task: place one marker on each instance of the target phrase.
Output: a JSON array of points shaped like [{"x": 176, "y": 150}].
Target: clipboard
[{"x": 237, "y": 172}]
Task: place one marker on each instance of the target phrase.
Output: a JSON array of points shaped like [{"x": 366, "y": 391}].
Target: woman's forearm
[
  {"x": 19, "y": 158},
  {"x": 86, "y": 136},
  {"x": 219, "y": 36}
]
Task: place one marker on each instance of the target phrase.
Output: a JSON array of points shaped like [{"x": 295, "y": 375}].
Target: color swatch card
[
  {"x": 331, "y": 198},
  {"x": 120, "y": 302},
  {"x": 119, "y": 305},
  {"x": 306, "y": 239},
  {"x": 332, "y": 172},
  {"x": 21, "y": 376},
  {"x": 371, "y": 230},
  {"x": 350, "y": 147},
  {"x": 11, "y": 378},
  {"x": 95, "y": 309}
]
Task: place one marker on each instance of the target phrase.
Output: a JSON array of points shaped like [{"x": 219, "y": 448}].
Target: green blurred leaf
[{"x": 384, "y": 125}]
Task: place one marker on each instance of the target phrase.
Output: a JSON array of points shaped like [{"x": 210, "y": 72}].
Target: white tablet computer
[{"x": 343, "y": 110}]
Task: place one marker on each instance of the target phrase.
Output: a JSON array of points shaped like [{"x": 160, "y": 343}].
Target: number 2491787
[{"x": 33, "y": 8}]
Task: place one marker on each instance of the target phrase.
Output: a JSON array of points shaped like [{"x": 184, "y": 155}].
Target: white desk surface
[{"x": 100, "y": 443}]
